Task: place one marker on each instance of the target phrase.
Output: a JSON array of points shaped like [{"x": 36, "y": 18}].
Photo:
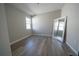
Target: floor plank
[{"x": 40, "y": 46}]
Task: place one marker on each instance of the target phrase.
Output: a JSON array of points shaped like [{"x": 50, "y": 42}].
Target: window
[
  {"x": 28, "y": 23},
  {"x": 61, "y": 26}
]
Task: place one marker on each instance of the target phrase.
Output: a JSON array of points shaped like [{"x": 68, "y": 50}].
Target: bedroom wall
[
  {"x": 16, "y": 23},
  {"x": 4, "y": 37},
  {"x": 72, "y": 13},
  {"x": 43, "y": 23}
]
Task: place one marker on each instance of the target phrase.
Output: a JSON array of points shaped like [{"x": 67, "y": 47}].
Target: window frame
[{"x": 28, "y": 22}]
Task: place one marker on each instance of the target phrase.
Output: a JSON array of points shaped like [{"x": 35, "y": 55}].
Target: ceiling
[{"x": 38, "y": 8}]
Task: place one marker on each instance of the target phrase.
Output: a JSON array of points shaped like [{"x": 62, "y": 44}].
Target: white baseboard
[
  {"x": 43, "y": 35},
  {"x": 20, "y": 39},
  {"x": 72, "y": 48}
]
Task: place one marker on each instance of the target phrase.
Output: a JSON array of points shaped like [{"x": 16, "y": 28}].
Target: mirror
[{"x": 59, "y": 29}]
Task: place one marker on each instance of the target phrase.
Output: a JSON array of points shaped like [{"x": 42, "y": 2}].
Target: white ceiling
[{"x": 38, "y": 8}]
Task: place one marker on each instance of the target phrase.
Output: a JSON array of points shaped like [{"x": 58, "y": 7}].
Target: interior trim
[
  {"x": 19, "y": 39},
  {"x": 43, "y": 35},
  {"x": 72, "y": 48}
]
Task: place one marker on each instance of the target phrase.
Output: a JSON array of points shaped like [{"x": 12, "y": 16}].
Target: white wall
[
  {"x": 4, "y": 38},
  {"x": 16, "y": 23},
  {"x": 72, "y": 11},
  {"x": 43, "y": 23}
]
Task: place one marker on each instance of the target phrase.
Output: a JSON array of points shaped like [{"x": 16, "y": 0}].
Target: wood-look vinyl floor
[{"x": 40, "y": 46}]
